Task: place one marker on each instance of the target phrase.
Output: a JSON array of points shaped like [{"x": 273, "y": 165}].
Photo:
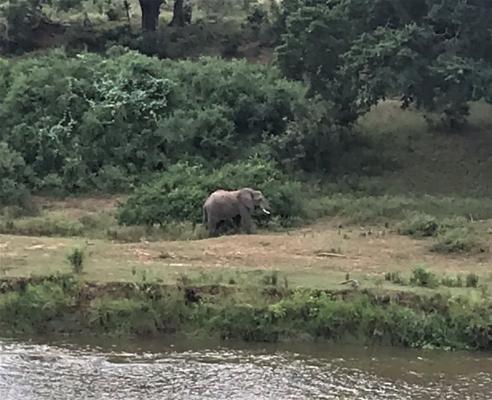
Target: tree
[
  {"x": 434, "y": 54},
  {"x": 151, "y": 10},
  {"x": 315, "y": 39},
  {"x": 181, "y": 13},
  {"x": 24, "y": 22}
]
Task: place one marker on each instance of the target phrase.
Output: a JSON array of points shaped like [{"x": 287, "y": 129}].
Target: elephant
[{"x": 233, "y": 208}]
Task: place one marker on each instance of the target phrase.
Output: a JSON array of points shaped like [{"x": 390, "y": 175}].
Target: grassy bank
[
  {"x": 416, "y": 239},
  {"x": 271, "y": 312}
]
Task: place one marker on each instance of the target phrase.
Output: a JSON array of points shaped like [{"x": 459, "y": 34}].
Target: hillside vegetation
[{"x": 367, "y": 125}]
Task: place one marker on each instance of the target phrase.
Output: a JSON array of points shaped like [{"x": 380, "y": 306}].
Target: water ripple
[{"x": 32, "y": 371}]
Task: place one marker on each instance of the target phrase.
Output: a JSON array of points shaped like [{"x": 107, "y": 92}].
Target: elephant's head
[{"x": 254, "y": 199}]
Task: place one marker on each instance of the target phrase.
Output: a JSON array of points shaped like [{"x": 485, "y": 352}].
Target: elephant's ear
[
  {"x": 246, "y": 198},
  {"x": 257, "y": 195}
]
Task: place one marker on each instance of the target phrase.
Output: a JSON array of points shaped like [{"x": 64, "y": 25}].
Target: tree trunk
[
  {"x": 150, "y": 14},
  {"x": 187, "y": 11},
  {"x": 178, "y": 14}
]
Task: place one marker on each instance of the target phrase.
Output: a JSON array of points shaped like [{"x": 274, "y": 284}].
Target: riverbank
[
  {"x": 415, "y": 243},
  {"x": 64, "y": 305},
  {"x": 383, "y": 281}
]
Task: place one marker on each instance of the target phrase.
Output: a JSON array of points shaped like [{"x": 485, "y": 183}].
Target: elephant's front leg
[{"x": 246, "y": 221}]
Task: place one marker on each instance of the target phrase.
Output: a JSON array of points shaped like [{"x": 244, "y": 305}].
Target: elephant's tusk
[{"x": 266, "y": 211}]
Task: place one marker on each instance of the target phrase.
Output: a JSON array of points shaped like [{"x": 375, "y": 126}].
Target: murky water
[{"x": 163, "y": 370}]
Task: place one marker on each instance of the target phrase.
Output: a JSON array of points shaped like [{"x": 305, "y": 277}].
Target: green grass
[
  {"x": 360, "y": 208},
  {"x": 61, "y": 304},
  {"x": 93, "y": 225},
  {"x": 54, "y": 224},
  {"x": 431, "y": 161},
  {"x": 441, "y": 178},
  {"x": 169, "y": 262}
]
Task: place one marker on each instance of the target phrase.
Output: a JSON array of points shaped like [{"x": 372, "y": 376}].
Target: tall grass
[
  {"x": 61, "y": 305},
  {"x": 360, "y": 208}
]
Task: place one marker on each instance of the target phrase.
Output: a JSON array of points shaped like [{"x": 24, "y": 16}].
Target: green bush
[
  {"x": 424, "y": 278},
  {"x": 148, "y": 311},
  {"x": 76, "y": 259},
  {"x": 12, "y": 166},
  {"x": 458, "y": 240},
  {"x": 62, "y": 304},
  {"x": 450, "y": 281},
  {"x": 36, "y": 307},
  {"x": 179, "y": 193},
  {"x": 394, "y": 277},
  {"x": 123, "y": 316},
  {"x": 472, "y": 280},
  {"x": 108, "y": 119},
  {"x": 419, "y": 225}
]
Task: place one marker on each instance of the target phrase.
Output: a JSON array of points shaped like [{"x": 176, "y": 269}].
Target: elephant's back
[{"x": 222, "y": 197}]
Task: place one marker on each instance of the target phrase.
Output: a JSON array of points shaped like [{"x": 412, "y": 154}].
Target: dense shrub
[
  {"x": 64, "y": 305},
  {"x": 12, "y": 167},
  {"x": 108, "y": 119},
  {"x": 178, "y": 194},
  {"x": 37, "y": 304},
  {"x": 419, "y": 225},
  {"x": 451, "y": 281},
  {"x": 76, "y": 259},
  {"x": 472, "y": 280},
  {"x": 458, "y": 240},
  {"x": 394, "y": 277},
  {"x": 423, "y": 277}
]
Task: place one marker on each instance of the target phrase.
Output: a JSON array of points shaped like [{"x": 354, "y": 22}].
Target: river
[{"x": 85, "y": 369}]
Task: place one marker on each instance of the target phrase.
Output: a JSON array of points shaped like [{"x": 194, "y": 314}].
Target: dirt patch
[
  {"x": 325, "y": 248},
  {"x": 319, "y": 256}
]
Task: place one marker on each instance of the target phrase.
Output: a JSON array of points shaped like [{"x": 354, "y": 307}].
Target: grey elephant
[{"x": 234, "y": 208}]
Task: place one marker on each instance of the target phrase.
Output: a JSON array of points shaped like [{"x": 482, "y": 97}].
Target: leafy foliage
[
  {"x": 76, "y": 259},
  {"x": 148, "y": 309},
  {"x": 357, "y": 52},
  {"x": 472, "y": 280},
  {"x": 458, "y": 240},
  {"x": 420, "y": 225},
  {"x": 179, "y": 193},
  {"x": 12, "y": 168},
  {"x": 35, "y": 307},
  {"x": 107, "y": 120},
  {"x": 423, "y": 277}
]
